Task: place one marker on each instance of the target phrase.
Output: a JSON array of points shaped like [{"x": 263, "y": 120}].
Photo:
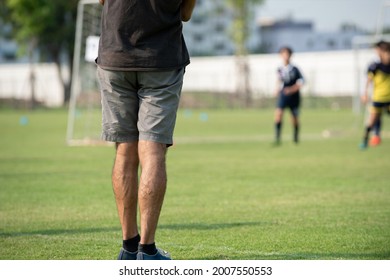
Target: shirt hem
[{"x": 143, "y": 69}]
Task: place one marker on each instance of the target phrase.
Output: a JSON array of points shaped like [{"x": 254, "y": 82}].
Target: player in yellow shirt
[{"x": 379, "y": 77}]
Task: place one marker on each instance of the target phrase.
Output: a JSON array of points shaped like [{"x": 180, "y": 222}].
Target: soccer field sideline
[
  {"x": 236, "y": 139},
  {"x": 325, "y": 135}
]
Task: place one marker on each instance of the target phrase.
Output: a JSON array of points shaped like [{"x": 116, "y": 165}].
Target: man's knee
[
  {"x": 149, "y": 150},
  {"x": 127, "y": 153}
]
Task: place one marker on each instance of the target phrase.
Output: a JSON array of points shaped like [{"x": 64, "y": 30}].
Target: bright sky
[{"x": 328, "y": 15}]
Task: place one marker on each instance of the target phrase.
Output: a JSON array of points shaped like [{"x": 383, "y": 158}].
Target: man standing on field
[{"x": 141, "y": 63}]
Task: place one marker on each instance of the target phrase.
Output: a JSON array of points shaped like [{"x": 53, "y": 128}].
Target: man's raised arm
[{"x": 187, "y": 8}]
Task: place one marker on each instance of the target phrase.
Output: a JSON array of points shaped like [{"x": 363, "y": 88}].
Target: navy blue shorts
[
  {"x": 378, "y": 107},
  {"x": 289, "y": 101}
]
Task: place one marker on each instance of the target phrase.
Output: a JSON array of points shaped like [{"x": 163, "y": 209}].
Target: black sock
[
  {"x": 367, "y": 135},
  {"x": 131, "y": 245},
  {"x": 149, "y": 249},
  {"x": 296, "y": 133},
  {"x": 377, "y": 127},
  {"x": 278, "y": 129}
]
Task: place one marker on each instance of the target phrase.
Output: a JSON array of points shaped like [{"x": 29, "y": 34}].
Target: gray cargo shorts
[{"x": 139, "y": 105}]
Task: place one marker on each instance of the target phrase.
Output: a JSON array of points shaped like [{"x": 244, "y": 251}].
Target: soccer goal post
[{"x": 84, "y": 116}]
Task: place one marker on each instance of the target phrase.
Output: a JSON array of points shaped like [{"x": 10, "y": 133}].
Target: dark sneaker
[
  {"x": 363, "y": 146},
  {"x": 160, "y": 255},
  {"x": 126, "y": 255}
]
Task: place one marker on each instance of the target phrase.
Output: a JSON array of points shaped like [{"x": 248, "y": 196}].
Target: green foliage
[
  {"x": 47, "y": 26},
  {"x": 243, "y": 15},
  {"x": 230, "y": 194},
  {"x": 50, "y": 22}
]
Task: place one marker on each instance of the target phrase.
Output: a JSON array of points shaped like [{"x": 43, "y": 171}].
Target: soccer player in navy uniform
[
  {"x": 379, "y": 77},
  {"x": 290, "y": 81}
]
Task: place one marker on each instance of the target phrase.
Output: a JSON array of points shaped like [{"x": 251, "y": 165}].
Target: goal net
[{"x": 84, "y": 117}]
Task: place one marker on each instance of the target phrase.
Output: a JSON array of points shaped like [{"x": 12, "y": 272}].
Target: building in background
[
  {"x": 208, "y": 34},
  {"x": 8, "y": 47},
  {"x": 208, "y": 31},
  {"x": 302, "y": 36}
]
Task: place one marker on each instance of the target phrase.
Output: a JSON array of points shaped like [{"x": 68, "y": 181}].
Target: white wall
[
  {"x": 326, "y": 74},
  {"x": 15, "y": 83}
]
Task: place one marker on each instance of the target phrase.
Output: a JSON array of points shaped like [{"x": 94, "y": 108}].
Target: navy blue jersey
[{"x": 289, "y": 75}]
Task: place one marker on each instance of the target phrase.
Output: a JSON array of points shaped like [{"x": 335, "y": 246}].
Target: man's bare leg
[
  {"x": 125, "y": 186},
  {"x": 152, "y": 187}
]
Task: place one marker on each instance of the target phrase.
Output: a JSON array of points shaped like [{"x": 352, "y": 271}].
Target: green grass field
[{"x": 230, "y": 194}]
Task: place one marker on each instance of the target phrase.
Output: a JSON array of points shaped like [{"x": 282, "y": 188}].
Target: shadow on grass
[
  {"x": 222, "y": 256},
  {"x": 195, "y": 226},
  {"x": 60, "y": 231}
]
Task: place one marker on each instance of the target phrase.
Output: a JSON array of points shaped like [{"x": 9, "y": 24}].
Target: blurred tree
[
  {"x": 49, "y": 26},
  {"x": 243, "y": 16},
  {"x": 3, "y": 12}
]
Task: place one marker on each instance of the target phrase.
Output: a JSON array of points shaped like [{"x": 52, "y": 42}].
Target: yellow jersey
[{"x": 380, "y": 74}]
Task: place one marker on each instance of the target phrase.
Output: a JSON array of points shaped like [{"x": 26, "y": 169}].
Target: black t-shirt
[{"x": 142, "y": 35}]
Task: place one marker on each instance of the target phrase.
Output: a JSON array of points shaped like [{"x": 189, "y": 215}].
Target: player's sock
[
  {"x": 366, "y": 135},
  {"x": 149, "y": 249},
  {"x": 377, "y": 127},
  {"x": 296, "y": 133},
  {"x": 278, "y": 129},
  {"x": 131, "y": 245}
]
